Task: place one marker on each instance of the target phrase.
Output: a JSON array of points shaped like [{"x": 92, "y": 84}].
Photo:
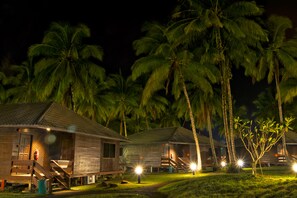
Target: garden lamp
[
  {"x": 193, "y": 167},
  {"x": 240, "y": 163},
  {"x": 294, "y": 167},
  {"x": 138, "y": 170}
]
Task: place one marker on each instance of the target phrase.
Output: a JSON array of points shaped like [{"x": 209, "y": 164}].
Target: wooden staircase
[
  {"x": 61, "y": 176},
  {"x": 30, "y": 171},
  {"x": 178, "y": 165}
]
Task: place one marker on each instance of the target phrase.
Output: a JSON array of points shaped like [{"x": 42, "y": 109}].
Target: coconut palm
[
  {"x": 266, "y": 105},
  {"x": 278, "y": 57},
  {"x": 126, "y": 94},
  {"x": 205, "y": 106},
  {"x": 168, "y": 66},
  {"x": 228, "y": 29},
  {"x": 65, "y": 66},
  {"x": 98, "y": 109},
  {"x": 22, "y": 87}
]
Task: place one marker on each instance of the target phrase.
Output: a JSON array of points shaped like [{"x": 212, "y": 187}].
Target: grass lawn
[{"x": 275, "y": 182}]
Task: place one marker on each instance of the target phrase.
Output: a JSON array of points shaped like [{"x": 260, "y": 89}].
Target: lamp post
[
  {"x": 193, "y": 167},
  {"x": 138, "y": 170}
]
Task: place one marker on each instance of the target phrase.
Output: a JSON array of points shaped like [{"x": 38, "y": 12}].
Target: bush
[{"x": 233, "y": 169}]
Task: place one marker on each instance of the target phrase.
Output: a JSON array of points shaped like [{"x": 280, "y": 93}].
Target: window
[
  {"x": 109, "y": 150},
  {"x": 121, "y": 151}
]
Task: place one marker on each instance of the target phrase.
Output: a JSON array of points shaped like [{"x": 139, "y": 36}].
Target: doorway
[{"x": 25, "y": 146}]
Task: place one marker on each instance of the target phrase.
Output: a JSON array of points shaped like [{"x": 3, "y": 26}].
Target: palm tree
[
  {"x": 280, "y": 53},
  {"x": 126, "y": 94},
  {"x": 98, "y": 109},
  {"x": 154, "y": 109},
  {"x": 3, "y": 92},
  {"x": 22, "y": 81},
  {"x": 205, "y": 106},
  {"x": 228, "y": 30},
  {"x": 168, "y": 64},
  {"x": 266, "y": 105},
  {"x": 65, "y": 66}
]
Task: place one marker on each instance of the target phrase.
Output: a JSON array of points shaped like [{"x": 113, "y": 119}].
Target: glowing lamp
[
  {"x": 193, "y": 167},
  {"x": 294, "y": 167},
  {"x": 223, "y": 163},
  {"x": 240, "y": 163},
  {"x": 138, "y": 170}
]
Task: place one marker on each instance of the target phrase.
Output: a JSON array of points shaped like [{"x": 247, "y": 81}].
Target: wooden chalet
[
  {"x": 166, "y": 148},
  {"x": 276, "y": 156},
  {"x": 46, "y": 141}
]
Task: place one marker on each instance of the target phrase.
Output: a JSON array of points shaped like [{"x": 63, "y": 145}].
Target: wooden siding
[
  {"x": 6, "y": 148},
  {"x": 87, "y": 153},
  {"x": 148, "y": 155},
  {"x": 63, "y": 147},
  {"x": 110, "y": 164}
]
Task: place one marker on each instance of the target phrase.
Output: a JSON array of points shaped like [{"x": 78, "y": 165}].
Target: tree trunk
[
  {"x": 125, "y": 125},
  {"x": 213, "y": 150},
  {"x": 199, "y": 162},
  {"x": 254, "y": 167},
  {"x": 225, "y": 120},
  {"x": 230, "y": 105},
  {"x": 280, "y": 112},
  {"x": 121, "y": 127}
]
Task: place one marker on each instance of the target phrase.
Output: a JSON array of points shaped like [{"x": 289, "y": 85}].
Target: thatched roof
[
  {"x": 174, "y": 135},
  {"x": 54, "y": 116}
]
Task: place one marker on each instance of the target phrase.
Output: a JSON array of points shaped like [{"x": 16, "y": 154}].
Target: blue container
[
  {"x": 41, "y": 186},
  {"x": 170, "y": 169}
]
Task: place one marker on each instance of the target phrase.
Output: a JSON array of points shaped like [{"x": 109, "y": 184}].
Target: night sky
[{"x": 114, "y": 26}]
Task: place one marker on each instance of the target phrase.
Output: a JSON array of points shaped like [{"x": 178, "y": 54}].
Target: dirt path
[{"x": 150, "y": 191}]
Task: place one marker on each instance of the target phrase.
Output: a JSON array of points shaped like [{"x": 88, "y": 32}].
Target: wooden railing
[
  {"x": 32, "y": 169},
  {"x": 60, "y": 174},
  {"x": 182, "y": 164}
]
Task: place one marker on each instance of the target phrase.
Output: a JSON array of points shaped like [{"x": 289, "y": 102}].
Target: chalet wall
[
  {"x": 7, "y": 136},
  {"x": 63, "y": 146},
  {"x": 87, "y": 153},
  {"x": 149, "y": 155},
  {"x": 110, "y": 164}
]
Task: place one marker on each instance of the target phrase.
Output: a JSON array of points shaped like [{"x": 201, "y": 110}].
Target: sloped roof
[
  {"x": 175, "y": 135},
  {"x": 54, "y": 116},
  {"x": 291, "y": 137}
]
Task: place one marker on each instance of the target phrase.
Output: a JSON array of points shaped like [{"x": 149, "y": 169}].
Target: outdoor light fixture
[
  {"x": 138, "y": 170},
  {"x": 294, "y": 167},
  {"x": 240, "y": 163},
  {"x": 223, "y": 163},
  {"x": 193, "y": 167}
]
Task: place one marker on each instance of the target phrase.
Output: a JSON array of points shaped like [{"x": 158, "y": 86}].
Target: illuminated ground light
[
  {"x": 223, "y": 164},
  {"x": 193, "y": 167},
  {"x": 138, "y": 170},
  {"x": 240, "y": 163},
  {"x": 294, "y": 167}
]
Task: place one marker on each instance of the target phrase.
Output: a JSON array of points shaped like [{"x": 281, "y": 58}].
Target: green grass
[{"x": 275, "y": 182}]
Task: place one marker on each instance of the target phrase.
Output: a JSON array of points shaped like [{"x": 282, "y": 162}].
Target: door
[{"x": 25, "y": 145}]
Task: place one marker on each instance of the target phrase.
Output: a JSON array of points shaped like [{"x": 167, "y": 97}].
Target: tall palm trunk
[
  {"x": 209, "y": 128},
  {"x": 226, "y": 99},
  {"x": 121, "y": 127},
  {"x": 230, "y": 105},
  {"x": 225, "y": 120},
  {"x": 199, "y": 162},
  {"x": 193, "y": 125},
  {"x": 280, "y": 112},
  {"x": 125, "y": 124}
]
